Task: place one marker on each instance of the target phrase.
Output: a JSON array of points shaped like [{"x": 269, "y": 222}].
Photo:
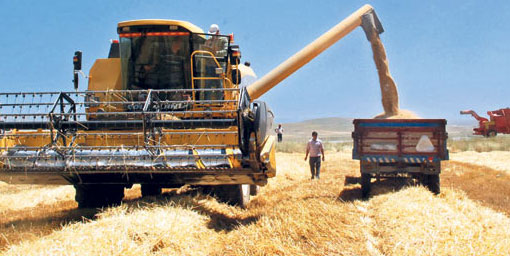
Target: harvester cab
[{"x": 174, "y": 60}]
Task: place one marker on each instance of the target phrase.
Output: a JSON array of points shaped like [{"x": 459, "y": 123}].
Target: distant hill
[
  {"x": 326, "y": 127},
  {"x": 455, "y": 130},
  {"x": 340, "y": 128}
]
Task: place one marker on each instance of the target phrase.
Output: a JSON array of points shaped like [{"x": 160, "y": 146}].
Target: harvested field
[
  {"x": 487, "y": 186},
  {"x": 497, "y": 160},
  {"x": 14, "y": 197},
  {"x": 291, "y": 216},
  {"x": 479, "y": 144}
]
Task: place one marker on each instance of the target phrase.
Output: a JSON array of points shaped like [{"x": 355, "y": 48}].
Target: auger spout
[{"x": 364, "y": 17}]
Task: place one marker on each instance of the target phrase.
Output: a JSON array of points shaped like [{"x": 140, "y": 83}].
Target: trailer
[{"x": 389, "y": 148}]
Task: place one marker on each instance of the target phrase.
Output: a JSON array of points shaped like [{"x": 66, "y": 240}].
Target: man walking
[
  {"x": 316, "y": 150},
  {"x": 279, "y": 132}
]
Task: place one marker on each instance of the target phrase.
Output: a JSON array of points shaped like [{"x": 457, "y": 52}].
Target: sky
[{"x": 445, "y": 56}]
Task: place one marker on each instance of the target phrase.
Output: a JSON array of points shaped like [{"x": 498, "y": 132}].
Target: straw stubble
[{"x": 292, "y": 216}]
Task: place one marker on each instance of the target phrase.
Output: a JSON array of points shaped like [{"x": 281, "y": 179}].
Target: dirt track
[{"x": 293, "y": 216}]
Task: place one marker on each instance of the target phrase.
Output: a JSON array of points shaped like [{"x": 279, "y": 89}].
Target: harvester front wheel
[
  {"x": 151, "y": 190},
  {"x": 98, "y": 195},
  {"x": 243, "y": 195},
  {"x": 254, "y": 190},
  {"x": 234, "y": 194}
]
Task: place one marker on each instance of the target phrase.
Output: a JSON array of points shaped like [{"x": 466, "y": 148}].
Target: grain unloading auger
[
  {"x": 163, "y": 110},
  {"x": 364, "y": 17}
]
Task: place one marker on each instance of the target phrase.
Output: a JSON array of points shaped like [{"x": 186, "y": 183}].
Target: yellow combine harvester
[{"x": 164, "y": 109}]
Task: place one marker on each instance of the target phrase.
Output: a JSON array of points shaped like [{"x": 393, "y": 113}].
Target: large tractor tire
[
  {"x": 260, "y": 124},
  {"x": 238, "y": 195},
  {"x": 254, "y": 190},
  {"x": 151, "y": 190},
  {"x": 263, "y": 120},
  {"x": 433, "y": 183},
  {"x": 98, "y": 195},
  {"x": 366, "y": 179}
]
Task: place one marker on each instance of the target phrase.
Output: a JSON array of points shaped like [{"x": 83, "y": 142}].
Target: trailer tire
[
  {"x": 151, "y": 190},
  {"x": 492, "y": 133},
  {"x": 98, "y": 195},
  {"x": 365, "y": 185},
  {"x": 433, "y": 183}
]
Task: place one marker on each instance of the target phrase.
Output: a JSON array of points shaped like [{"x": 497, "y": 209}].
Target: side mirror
[
  {"x": 75, "y": 81},
  {"x": 77, "y": 68},
  {"x": 77, "y": 60},
  {"x": 235, "y": 54}
]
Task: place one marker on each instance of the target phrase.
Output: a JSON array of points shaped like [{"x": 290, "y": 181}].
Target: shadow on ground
[
  {"x": 57, "y": 217},
  {"x": 190, "y": 198},
  {"x": 19, "y": 225},
  {"x": 352, "y": 189}
]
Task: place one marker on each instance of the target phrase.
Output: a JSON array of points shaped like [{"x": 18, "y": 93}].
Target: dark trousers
[
  {"x": 280, "y": 137},
  {"x": 315, "y": 166}
]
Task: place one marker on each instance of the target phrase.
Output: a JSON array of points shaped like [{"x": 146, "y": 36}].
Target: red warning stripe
[
  {"x": 130, "y": 35},
  {"x": 154, "y": 34}
]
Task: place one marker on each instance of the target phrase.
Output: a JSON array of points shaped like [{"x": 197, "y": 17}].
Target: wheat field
[{"x": 292, "y": 215}]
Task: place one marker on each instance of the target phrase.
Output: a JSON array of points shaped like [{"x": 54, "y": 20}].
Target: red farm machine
[{"x": 499, "y": 122}]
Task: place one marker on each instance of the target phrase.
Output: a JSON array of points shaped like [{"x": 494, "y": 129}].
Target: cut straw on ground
[{"x": 291, "y": 216}]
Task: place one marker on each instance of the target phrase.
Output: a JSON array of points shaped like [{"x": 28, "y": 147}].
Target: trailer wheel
[
  {"x": 365, "y": 185},
  {"x": 254, "y": 190},
  {"x": 433, "y": 183},
  {"x": 98, "y": 195},
  {"x": 151, "y": 190}
]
